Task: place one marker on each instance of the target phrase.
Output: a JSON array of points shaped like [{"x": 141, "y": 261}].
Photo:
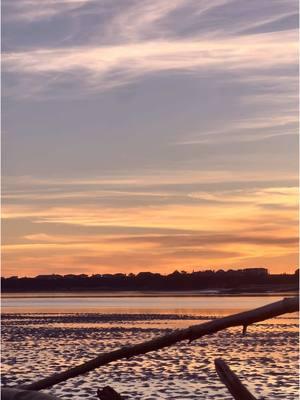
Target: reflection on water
[{"x": 159, "y": 303}]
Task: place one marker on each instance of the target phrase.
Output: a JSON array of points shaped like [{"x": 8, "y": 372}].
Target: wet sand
[{"x": 36, "y": 345}]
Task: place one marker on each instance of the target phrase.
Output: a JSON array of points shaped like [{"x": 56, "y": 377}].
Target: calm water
[{"x": 131, "y": 302}]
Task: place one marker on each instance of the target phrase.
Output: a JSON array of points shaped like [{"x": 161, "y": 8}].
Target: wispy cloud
[
  {"x": 33, "y": 10},
  {"x": 110, "y": 66},
  {"x": 132, "y": 39},
  {"x": 246, "y": 131},
  {"x": 221, "y": 209},
  {"x": 147, "y": 189},
  {"x": 142, "y": 179},
  {"x": 139, "y": 20}
]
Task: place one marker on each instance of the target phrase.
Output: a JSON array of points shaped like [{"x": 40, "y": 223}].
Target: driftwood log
[
  {"x": 108, "y": 393},
  {"x": 232, "y": 382},
  {"x": 19, "y": 394},
  {"x": 243, "y": 319}
]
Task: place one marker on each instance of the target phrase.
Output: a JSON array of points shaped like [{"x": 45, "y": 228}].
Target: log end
[{"x": 108, "y": 393}]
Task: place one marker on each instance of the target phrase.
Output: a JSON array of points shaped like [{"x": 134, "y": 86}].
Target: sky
[{"x": 149, "y": 135}]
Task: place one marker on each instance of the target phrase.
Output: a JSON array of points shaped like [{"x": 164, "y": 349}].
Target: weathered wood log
[
  {"x": 19, "y": 394},
  {"x": 108, "y": 393},
  {"x": 232, "y": 382},
  {"x": 246, "y": 318}
]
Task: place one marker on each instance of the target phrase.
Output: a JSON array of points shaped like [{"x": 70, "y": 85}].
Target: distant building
[
  {"x": 50, "y": 277},
  {"x": 256, "y": 271}
]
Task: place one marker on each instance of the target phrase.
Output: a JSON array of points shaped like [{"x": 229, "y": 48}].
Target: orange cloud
[{"x": 232, "y": 229}]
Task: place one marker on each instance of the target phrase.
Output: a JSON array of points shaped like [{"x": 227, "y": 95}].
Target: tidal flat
[{"x": 35, "y": 345}]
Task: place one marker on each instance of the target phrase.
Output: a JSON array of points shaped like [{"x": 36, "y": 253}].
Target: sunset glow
[{"x": 149, "y": 142}]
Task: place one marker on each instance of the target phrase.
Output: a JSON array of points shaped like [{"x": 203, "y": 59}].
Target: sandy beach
[{"x": 36, "y": 345}]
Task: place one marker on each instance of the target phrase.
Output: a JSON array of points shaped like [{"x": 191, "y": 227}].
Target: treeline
[{"x": 251, "y": 279}]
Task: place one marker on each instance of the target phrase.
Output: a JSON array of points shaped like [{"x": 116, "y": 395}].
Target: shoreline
[{"x": 146, "y": 293}]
